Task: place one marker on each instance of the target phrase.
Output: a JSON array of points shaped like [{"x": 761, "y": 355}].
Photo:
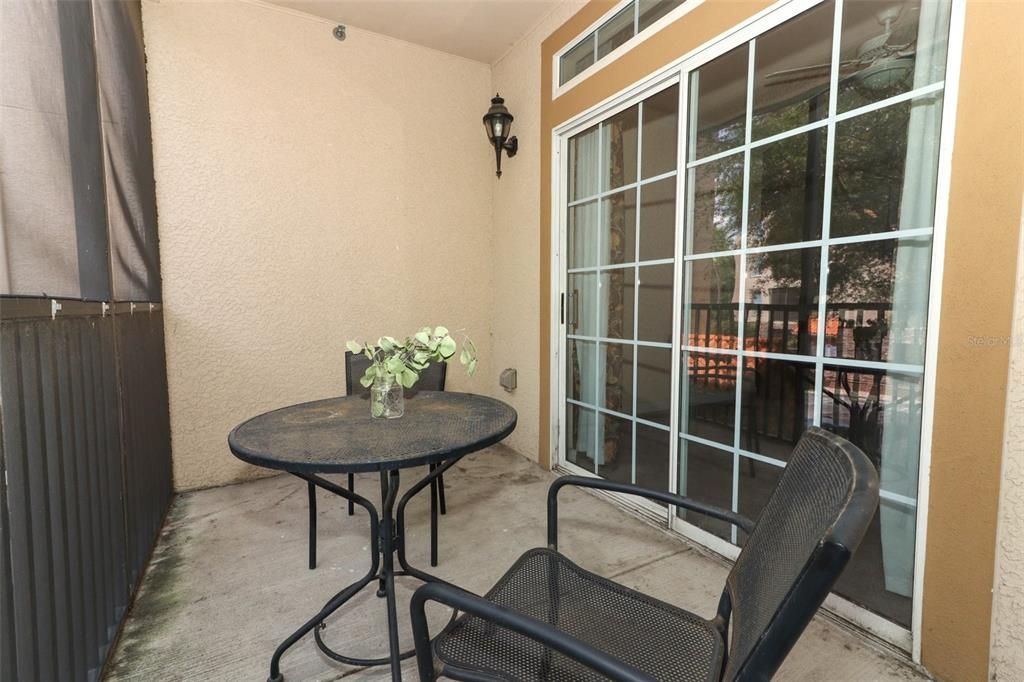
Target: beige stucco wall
[
  {"x": 515, "y": 248},
  {"x": 1007, "y": 661},
  {"x": 309, "y": 191}
]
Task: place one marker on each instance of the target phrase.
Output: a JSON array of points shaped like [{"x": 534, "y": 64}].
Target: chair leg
[
  {"x": 351, "y": 489},
  {"x": 440, "y": 494},
  {"x": 434, "y": 496},
  {"x": 311, "y": 490}
]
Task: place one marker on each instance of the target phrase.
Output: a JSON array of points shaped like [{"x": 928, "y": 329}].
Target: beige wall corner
[
  {"x": 309, "y": 191},
  {"x": 1007, "y": 658},
  {"x": 515, "y": 248}
]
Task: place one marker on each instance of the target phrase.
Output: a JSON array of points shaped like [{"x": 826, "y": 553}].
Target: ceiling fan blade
[{"x": 809, "y": 71}]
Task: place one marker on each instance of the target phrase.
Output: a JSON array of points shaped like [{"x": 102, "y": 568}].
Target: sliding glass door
[{"x": 804, "y": 245}]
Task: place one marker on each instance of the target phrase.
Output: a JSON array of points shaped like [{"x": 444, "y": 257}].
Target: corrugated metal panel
[
  {"x": 147, "y": 432},
  {"x": 85, "y": 485}
]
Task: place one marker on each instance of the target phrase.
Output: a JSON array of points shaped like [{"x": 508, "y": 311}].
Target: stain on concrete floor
[{"x": 228, "y": 580}]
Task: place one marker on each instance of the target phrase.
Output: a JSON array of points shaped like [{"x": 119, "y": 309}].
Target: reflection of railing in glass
[{"x": 853, "y": 399}]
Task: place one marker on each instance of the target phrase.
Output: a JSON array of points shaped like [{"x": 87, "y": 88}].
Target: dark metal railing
[{"x": 851, "y": 331}]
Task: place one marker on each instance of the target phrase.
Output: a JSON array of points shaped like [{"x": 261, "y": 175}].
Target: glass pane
[
  {"x": 714, "y": 301},
  {"x": 660, "y": 133},
  {"x": 654, "y": 303},
  {"x": 709, "y": 399},
  {"x": 792, "y": 66},
  {"x": 787, "y": 190},
  {"x": 716, "y": 205},
  {"x": 615, "y": 461},
  {"x": 658, "y": 219},
  {"x": 652, "y": 455},
  {"x": 583, "y": 164},
  {"x": 618, "y": 228},
  {"x": 619, "y": 149},
  {"x": 581, "y": 304},
  {"x": 615, "y": 31},
  {"x": 583, "y": 235},
  {"x": 782, "y": 301},
  {"x": 705, "y": 474},
  {"x": 777, "y": 406},
  {"x": 652, "y": 10},
  {"x": 880, "y": 412},
  {"x": 720, "y": 89},
  {"x": 878, "y": 300},
  {"x": 757, "y": 481},
  {"x": 617, "y": 303},
  {"x": 617, "y": 377},
  {"x": 890, "y": 48},
  {"x": 886, "y": 167},
  {"x": 581, "y": 371},
  {"x": 576, "y": 60},
  {"x": 654, "y": 384},
  {"x": 580, "y": 425}
]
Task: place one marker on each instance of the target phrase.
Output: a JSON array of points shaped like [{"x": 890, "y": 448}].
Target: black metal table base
[{"x": 387, "y": 540}]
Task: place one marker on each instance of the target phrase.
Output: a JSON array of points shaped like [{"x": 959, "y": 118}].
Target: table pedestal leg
[{"x": 387, "y": 536}]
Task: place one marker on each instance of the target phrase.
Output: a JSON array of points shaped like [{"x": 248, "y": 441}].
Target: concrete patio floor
[{"x": 228, "y": 580}]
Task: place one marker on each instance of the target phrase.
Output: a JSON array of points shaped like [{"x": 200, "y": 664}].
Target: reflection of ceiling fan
[{"x": 878, "y": 65}]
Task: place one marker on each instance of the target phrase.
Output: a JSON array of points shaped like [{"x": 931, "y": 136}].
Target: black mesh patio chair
[
  {"x": 431, "y": 379},
  {"x": 548, "y": 619}
]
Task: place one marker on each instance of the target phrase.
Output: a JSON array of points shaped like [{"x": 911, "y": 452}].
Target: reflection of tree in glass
[{"x": 868, "y": 180}]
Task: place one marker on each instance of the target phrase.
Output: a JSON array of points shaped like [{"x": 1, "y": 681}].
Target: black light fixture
[{"x": 498, "y": 123}]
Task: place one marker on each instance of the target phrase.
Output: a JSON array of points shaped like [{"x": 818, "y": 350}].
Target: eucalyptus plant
[{"x": 402, "y": 361}]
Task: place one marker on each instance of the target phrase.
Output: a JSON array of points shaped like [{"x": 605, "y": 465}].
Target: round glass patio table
[{"x": 338, "y": 435}]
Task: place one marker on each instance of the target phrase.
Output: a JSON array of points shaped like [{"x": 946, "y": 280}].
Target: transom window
[{"x": 625, "y": 23}]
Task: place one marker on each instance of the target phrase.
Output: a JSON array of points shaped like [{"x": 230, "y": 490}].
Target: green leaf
[
  {"x": 423, "y": 337},
  {"x": 446, "y": 347},
  {"x": 394, "y": 365},
  {"x": 367, "y": 379},
  {"x": 465, "y": 357},
  {"x": 440, "y": 331},
  {"x": 355, "y": 347},
  {"x": 471, "y": 367},
  {"x": 408, "y": 378}
]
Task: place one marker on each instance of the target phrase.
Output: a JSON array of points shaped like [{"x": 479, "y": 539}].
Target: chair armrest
[
  {"x": 668, "y": 498},
  {"x": 537, "y": 630}
]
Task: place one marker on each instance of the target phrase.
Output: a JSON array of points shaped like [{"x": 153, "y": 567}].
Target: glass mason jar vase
[{"x": 387, "y": 398}]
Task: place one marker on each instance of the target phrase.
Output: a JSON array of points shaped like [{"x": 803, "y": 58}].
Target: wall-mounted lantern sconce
[{"x": 498, "y": 123}]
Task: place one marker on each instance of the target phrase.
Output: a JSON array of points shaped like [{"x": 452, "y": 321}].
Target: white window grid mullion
[
  {"x": 741, "y": 327},
  {"x": 620, "y": 266},
  {"x": 598, "y": 395},
  {"x": 923, "y": 91},
  {"x": 610, "y": 339},
  {"x": 826, "y": 217},
  {"x": 912, "y": 233},
  {"x": 679, "y": 385},
  {"x": 601, "y": 194},
  {"x": 891, "y": 367},
  {"x": 636, "y": 267},
  {"x": 616, "y": 413}
]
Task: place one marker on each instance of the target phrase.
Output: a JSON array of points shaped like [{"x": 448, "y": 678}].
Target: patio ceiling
[{"x": 481, "y": 30}]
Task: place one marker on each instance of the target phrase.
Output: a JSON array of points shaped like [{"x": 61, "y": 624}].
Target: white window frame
[
  {"x": 678, "y": 71},
  {"x": 638, "y": 37}
]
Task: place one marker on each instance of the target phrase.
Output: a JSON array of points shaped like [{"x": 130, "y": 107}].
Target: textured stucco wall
[
  {"x": 515, "y": 247},
  {"x": 309, "y": 191},
  {"x": 1007, "y": 661}
]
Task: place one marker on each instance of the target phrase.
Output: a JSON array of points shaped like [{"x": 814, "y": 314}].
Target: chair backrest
[
  {"x": 431, "y": 379},
  {"x": 814, "y": 520}
]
